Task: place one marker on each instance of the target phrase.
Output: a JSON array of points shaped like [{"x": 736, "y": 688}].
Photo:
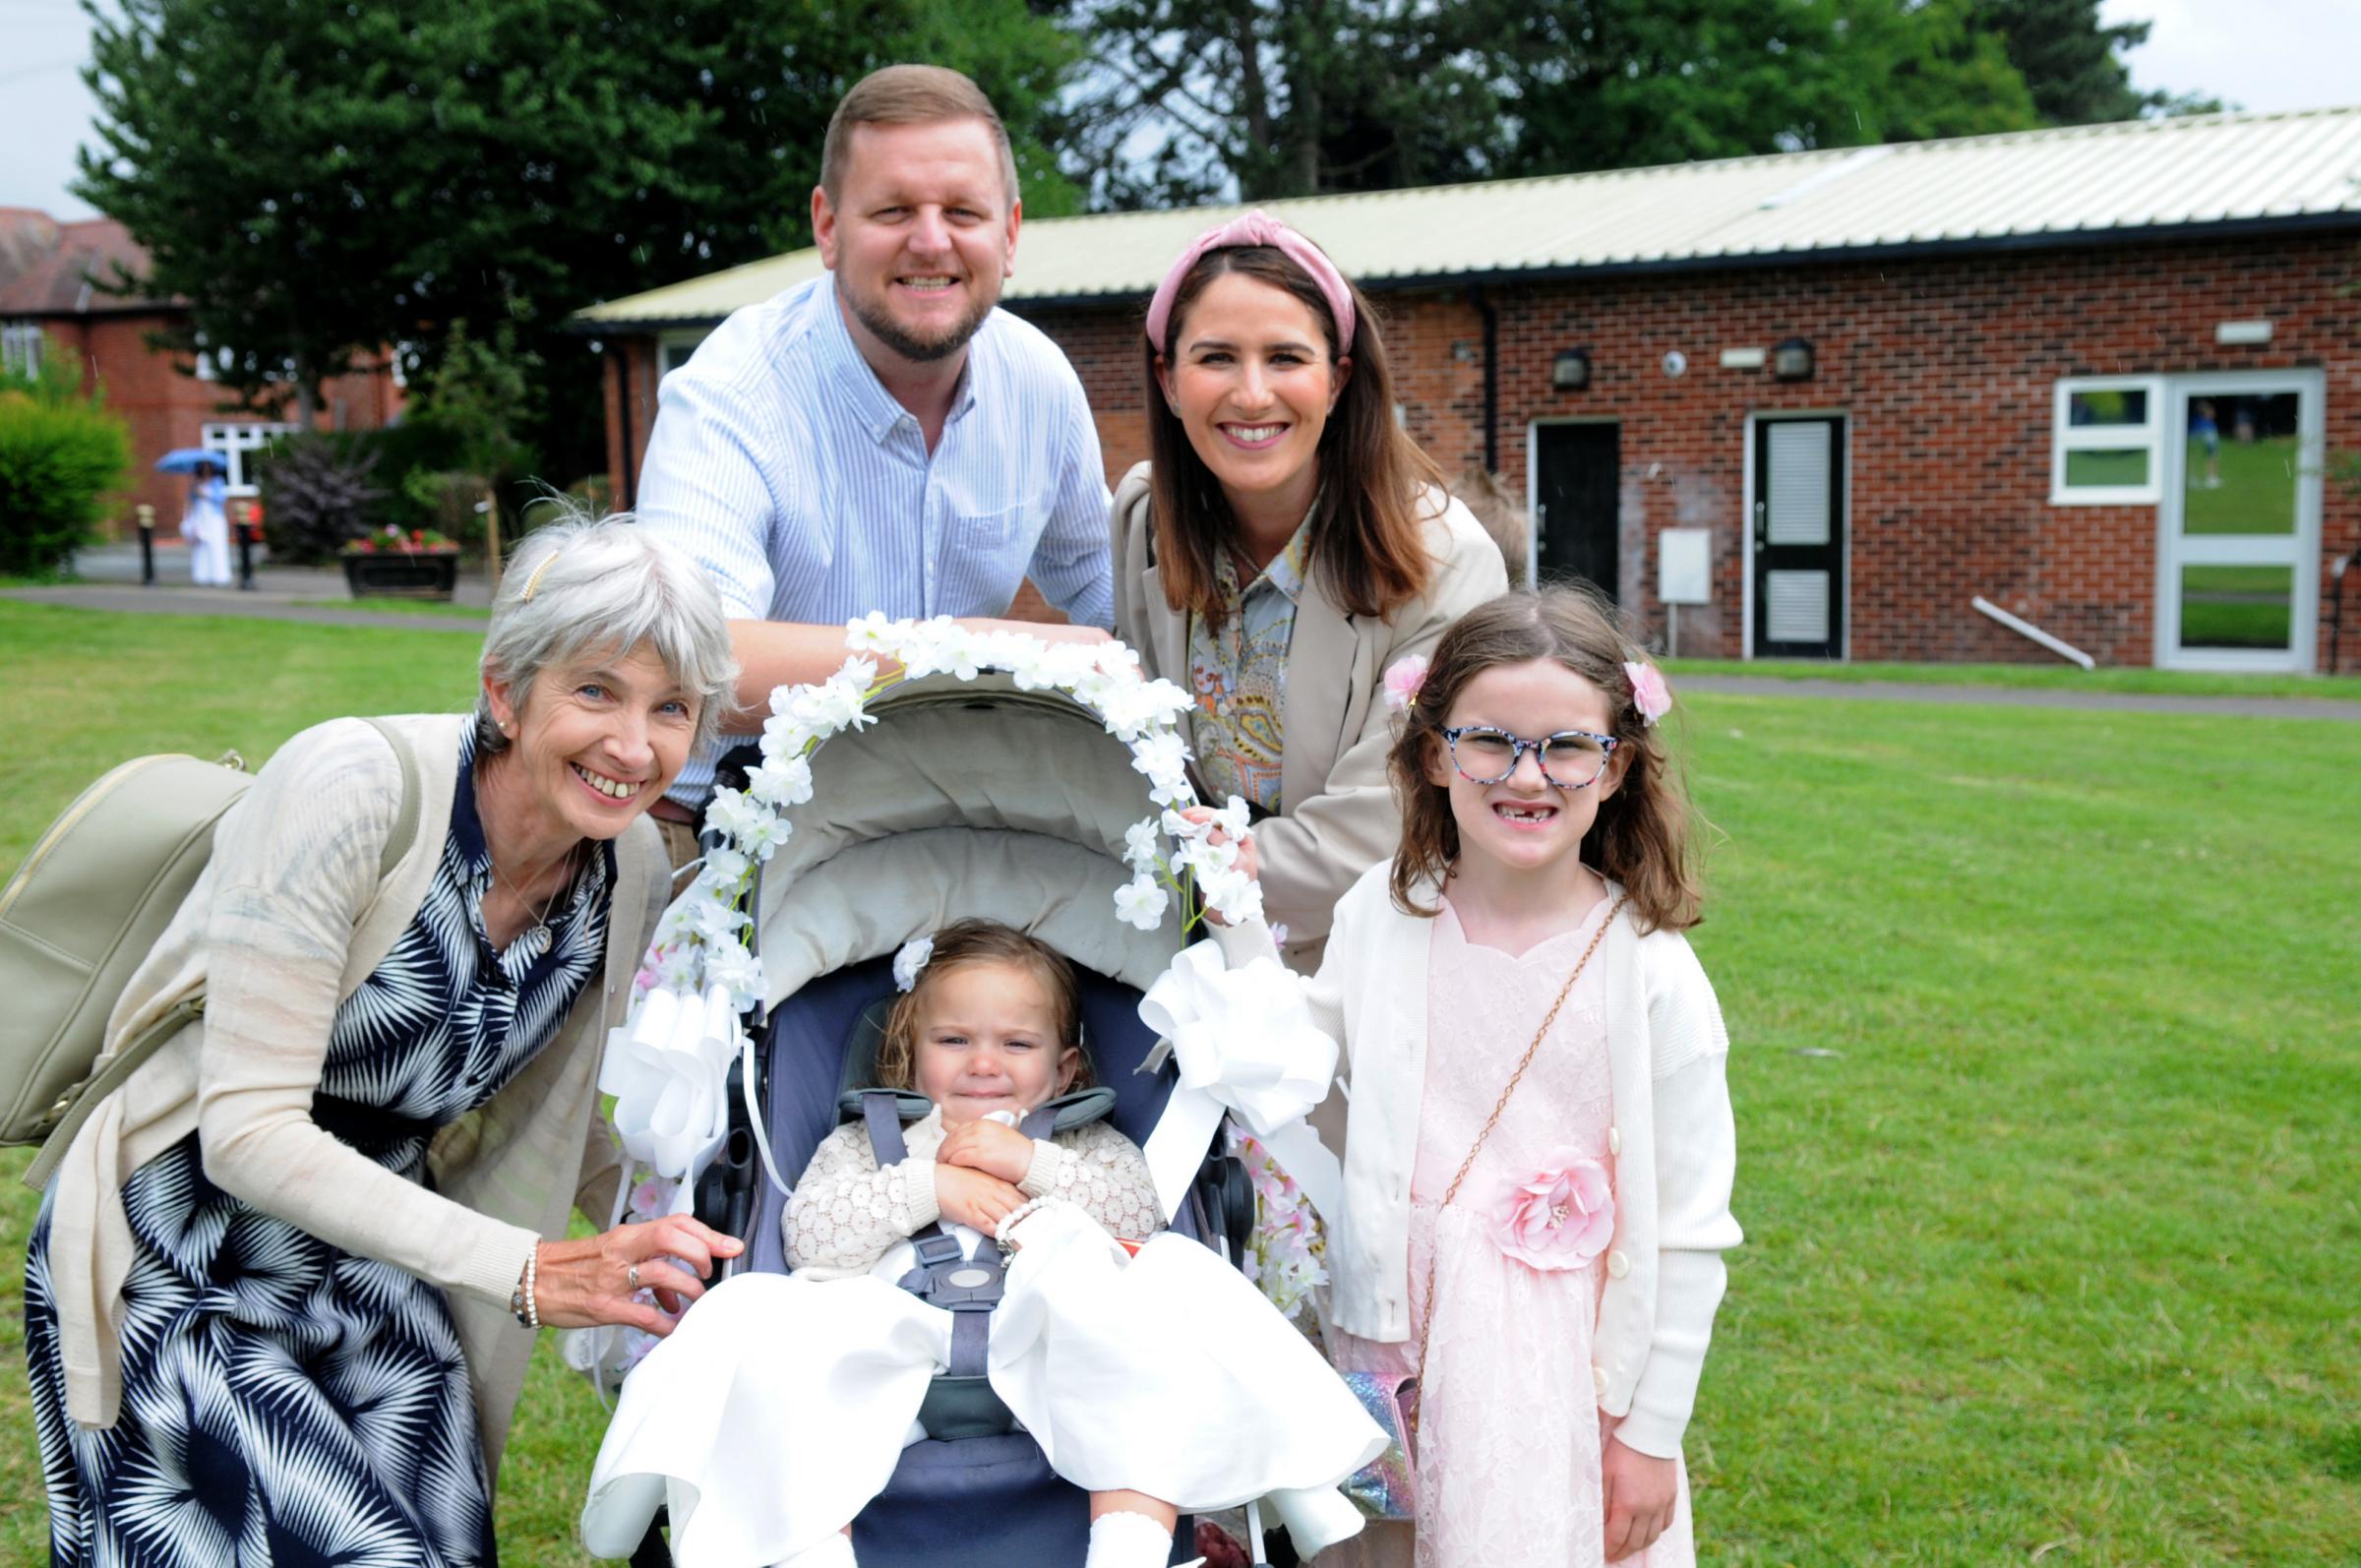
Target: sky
[{"x": 2257, "y": 54}]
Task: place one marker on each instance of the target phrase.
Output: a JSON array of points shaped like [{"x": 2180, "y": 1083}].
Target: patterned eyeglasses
[{"x": 1570, "y": 760}]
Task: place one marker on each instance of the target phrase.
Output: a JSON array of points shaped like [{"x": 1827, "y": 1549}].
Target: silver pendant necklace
[{"x": 539, "y": 929}]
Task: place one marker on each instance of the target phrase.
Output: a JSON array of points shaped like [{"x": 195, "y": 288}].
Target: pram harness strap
[{"x": 961, "y": 1403}]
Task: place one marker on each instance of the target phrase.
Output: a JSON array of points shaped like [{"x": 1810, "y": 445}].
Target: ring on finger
[{"x": 631, "y": 1277}]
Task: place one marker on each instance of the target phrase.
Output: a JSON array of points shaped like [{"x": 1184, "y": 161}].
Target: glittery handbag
[{"x": 1386, "y": 1488}]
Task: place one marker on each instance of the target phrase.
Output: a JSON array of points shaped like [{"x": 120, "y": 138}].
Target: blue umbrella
[{"x": 186, "y": 460}]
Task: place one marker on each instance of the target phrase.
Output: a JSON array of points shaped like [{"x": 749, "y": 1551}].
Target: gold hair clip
[{"x": 535, "y": 582}]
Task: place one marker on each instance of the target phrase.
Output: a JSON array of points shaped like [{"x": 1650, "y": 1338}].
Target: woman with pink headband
[{"x": 1284, "y": 546}]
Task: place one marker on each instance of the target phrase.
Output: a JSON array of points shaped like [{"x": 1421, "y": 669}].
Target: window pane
[
  {"x": 2237, "y": 607},
  {"x": 2243, "y": 461},
  {"x": 2111, "y": 466},
  {"x": 2124, "y": 405}
]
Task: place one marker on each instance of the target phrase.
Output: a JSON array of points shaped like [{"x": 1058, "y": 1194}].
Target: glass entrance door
[{"x": 2238, "y": 554}]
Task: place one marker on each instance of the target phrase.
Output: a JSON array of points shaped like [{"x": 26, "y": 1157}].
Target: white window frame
[
  {"x": 20, "y": 347},
  {"x": 234, "y": 441},
  {"x": 673, "y": 349},
  {"x": 2066, "y": 437}
]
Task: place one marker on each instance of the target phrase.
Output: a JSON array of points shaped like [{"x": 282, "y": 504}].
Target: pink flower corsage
[
  {"x": 1560, "y": 1216},
  {"x": 1403, "y": 678},
  {"x": 1648, "y": 694}
]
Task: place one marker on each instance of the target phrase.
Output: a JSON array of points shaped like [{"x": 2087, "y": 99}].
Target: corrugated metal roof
[{"x": 2025, "y": 186}]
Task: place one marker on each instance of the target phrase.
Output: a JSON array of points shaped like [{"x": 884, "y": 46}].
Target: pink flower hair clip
[
  {"x": 1648, "y": 694},
  {"x": 1403, "y": 679}
]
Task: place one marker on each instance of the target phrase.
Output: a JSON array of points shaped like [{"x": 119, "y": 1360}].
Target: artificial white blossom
[
  {"x": 873, "y": 633},
  {"x": 910, "y": 961},
  {"x": 781, "y": 781},
  {"x": 737, "y": 971},
  {"x": 1141, "y": 846},
  {"x": 763, "y": 834},
  {"x": 1141, "y": 903}
]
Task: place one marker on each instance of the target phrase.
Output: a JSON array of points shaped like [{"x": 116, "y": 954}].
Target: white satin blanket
[{"x": 779, "y": 1406}]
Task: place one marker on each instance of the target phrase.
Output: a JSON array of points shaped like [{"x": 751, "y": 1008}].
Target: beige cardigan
[
  {"x": 1672, "y": 1142},
  {"x": 284, "y": 923},
  {"x": 1337, "y": 814}
]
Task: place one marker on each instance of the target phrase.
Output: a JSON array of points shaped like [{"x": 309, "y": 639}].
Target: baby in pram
[{"x": 1158, "y": 1381}]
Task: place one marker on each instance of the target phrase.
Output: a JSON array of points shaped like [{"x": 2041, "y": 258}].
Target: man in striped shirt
[{"x": 884, "y": 437}]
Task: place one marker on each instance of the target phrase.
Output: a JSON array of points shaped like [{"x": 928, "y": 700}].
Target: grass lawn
[{"x": 2051, "y": 1240}]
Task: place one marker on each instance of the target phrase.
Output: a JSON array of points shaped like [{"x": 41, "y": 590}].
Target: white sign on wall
[{"x": 1683, "y": 566}]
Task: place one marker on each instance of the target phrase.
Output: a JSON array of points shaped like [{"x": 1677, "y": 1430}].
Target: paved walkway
[
  {"x": 296, "y": 594},
  {"x": 315, "y": 594}
]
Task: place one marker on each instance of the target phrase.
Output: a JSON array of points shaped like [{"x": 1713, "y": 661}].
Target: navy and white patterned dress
[{"x": 286, "y": 1401}]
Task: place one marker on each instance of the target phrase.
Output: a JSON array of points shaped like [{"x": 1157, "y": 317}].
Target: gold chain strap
[{"x": 1426, "y": 1316}]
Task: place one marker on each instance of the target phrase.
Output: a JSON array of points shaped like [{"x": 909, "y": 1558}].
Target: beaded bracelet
[
  {"x": 1008, "y": 1223},
  {"x": 522, "y": 1301}
]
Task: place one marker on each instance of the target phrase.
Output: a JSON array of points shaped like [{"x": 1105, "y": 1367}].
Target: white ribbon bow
[
  {"x": 1244, "y": 1042},
  {"x": 668, "y": 1070}
]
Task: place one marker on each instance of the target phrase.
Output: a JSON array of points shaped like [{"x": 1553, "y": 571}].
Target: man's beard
[{"x": 894, "y": 335}]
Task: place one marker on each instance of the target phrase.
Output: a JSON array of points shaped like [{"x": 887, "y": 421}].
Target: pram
[{"x": 968, "y": 798}]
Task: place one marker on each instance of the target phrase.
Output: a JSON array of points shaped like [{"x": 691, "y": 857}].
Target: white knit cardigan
[
  {"x": 1672, "y": 1142},
  {"x": 286, "y": 921}
]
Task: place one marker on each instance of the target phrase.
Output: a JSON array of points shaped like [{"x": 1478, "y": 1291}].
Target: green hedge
[{"x": 60, "y": 458}]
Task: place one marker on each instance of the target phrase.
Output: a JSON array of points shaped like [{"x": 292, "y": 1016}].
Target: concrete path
[{"x": 315, "y": 594}]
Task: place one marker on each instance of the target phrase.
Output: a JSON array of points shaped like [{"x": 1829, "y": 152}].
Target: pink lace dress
[{"x": 1508, "y": 1455}]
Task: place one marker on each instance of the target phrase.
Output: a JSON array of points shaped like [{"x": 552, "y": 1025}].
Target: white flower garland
[{"x": 701, "y": 943}]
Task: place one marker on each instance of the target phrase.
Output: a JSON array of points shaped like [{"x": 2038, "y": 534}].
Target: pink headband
[{"x": 1257, "y": 228}]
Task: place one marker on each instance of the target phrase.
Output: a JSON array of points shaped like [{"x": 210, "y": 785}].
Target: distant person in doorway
[{"x": 2204, "y": 434}]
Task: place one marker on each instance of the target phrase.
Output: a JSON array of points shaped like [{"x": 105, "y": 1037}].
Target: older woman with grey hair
[{"x": 282, "y": 1289}]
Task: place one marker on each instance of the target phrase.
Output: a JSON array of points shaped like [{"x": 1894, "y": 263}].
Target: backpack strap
[
  {"x": 134, "y": 1053},
  {"x": 406, "y": 818}
]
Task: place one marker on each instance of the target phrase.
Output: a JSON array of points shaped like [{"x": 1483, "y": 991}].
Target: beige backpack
[{"x": 82, "y": 913}]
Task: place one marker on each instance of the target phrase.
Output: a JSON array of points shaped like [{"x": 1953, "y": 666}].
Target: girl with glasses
[{"x": 1540, "y": 1148}]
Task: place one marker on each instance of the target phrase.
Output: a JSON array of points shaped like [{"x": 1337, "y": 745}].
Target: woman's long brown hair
[
  {"x": 1369, "y": 545},
  {"x": 1644, "y": 832}
]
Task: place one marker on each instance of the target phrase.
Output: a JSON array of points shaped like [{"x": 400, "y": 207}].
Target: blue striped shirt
[{"x": 782, "y": 464}]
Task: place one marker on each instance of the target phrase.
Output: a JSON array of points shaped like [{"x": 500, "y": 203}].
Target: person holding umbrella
[{"x": 206, "y": 524}]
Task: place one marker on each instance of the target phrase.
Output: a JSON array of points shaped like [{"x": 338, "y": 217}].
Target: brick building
[
  {"x": 54, "y": 299},
  {"x": 2094, "y": 378}
]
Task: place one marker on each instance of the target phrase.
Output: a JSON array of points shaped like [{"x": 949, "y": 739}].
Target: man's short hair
[{"x": 910, "y": 94}]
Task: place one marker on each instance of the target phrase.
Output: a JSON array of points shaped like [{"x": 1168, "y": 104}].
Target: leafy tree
[
  {"x": 1189, "y": 97},
  {"x": 472, "y": 405},
  {"x": 319, "y": 179},
  {"x": 2074, "y": 64},
  {"x": 62, "y": 458}
]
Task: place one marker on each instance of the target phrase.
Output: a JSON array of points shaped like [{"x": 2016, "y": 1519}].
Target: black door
[
  {"x": 1799, "y": 538},
  {"x": 1575, "y": 516}
]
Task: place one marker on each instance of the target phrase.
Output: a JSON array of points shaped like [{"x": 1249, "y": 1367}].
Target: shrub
[
  {"x": 317, "y": 495},
  {"x": 61, "y": 456}
]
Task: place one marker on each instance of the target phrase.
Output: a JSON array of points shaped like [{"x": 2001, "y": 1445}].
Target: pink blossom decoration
[
  {"x": 1403, "y": 678},
  {"x": 1648, "y": 694},
  {"x": 1560, "y": 1216}
]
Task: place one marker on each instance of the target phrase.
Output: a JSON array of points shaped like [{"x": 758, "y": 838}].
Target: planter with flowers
[{"x": 421, "y": 564}]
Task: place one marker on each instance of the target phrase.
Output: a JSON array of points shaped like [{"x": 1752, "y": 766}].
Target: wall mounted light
[
  {"x": 1570, "y": 371},
  {"x": 1792, "y": 360}
]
